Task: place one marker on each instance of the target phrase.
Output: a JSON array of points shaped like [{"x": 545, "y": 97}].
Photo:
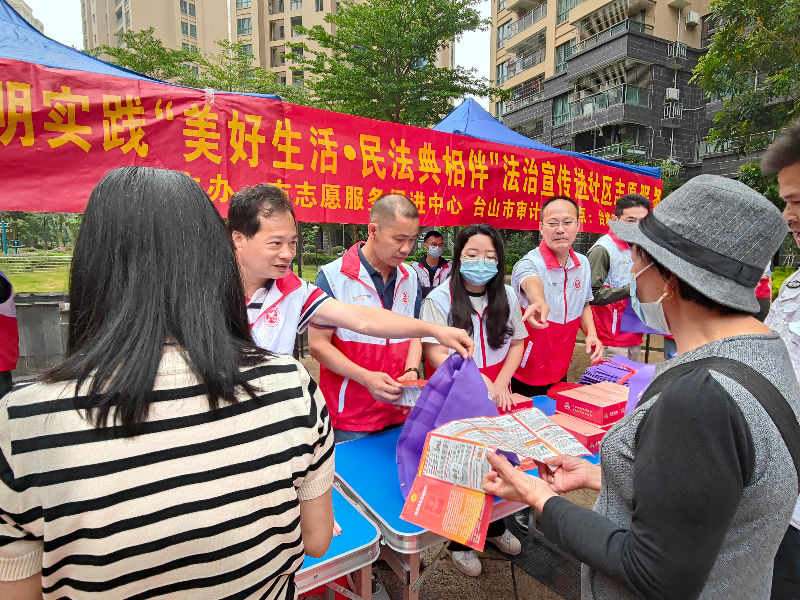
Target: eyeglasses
[
  {"x": 474, "y": 260},
  {"x": 556, "y": 224}
]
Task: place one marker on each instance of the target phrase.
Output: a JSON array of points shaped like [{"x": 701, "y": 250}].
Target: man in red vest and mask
[
  {"x": 9, "y": 335},
  {"x": 610, "y": 261}
]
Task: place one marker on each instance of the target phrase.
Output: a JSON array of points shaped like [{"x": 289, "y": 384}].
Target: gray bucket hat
[{"x": 714, "y": 233}]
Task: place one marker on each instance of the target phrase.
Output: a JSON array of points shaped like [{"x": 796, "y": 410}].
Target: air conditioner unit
[
  {"x": 673, "y": 94},
  {"x": 692, "y": 19}
]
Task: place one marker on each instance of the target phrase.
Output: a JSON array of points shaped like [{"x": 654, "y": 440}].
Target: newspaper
[{"x": 456, "y": 452}]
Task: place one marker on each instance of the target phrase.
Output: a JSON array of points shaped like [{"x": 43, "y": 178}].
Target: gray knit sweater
[{"x": 743, "y": 565}]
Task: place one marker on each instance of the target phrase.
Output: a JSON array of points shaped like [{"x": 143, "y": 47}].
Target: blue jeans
[
  {"x": 786, "y": 572},
  {"x": 342, "y": 435}
]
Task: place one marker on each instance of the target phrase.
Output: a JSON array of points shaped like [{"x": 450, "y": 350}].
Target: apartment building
[
  {"x": 26, "y": 13},
  {"x": 263, "y": 25},
  {"x": 608, "y": 78},
  {"x": 187, "y": 24}
]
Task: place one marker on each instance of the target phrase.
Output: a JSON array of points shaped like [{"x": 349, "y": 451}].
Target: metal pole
[
  {"x": 299, "y": 250},
  {"x": 647, "y": 349},
  {"x": 5, "y": 244}
]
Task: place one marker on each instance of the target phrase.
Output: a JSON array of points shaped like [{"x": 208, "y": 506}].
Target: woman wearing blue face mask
[{"x": 476, "y": 297}]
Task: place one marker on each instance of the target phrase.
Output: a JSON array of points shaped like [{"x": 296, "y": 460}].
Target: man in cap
[
  {"x": 783, "y": 158},
  {"x": 610, "y": 260}
]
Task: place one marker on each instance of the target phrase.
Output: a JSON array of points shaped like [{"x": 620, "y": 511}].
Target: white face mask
[{"x": 649, "y": 313}]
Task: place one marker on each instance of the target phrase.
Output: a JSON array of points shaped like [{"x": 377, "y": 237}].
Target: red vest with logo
[
  {"x": 607, "y": 317},
  {"x": 548, "y": 352},
  {"x": 285, "y": 311},
  {"x": 9, "y": 333},
  {"x": 351, "y": 406}
]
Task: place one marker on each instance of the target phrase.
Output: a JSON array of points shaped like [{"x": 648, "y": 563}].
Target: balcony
[
  {"x": 534, "y": 16},
  {"x": 673, "y": 110},
  {"x": 677, "y": 56},
  {"x": 517, "y": 103},
  {"x": 626, "y": 93},
  {"x": 522, "y": 63},
  {"x": 607, "y": 34},
  {"x": 620, "y": 150},
  {"x": 561, "y": 68}
]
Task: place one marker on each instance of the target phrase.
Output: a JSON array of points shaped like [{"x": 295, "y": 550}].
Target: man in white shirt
[
  {"x": 783, "y": 158},
  {"x": 280, "y": 304}
]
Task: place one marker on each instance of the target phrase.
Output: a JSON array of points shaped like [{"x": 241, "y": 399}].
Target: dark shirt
[
  {"x": 431, "y": 272},
  {"x": 5, "y": 289},
  {"x": 600, "y": 263},
  {"x": 694, "y": 457},
  {"x": 385, "y": 289}
]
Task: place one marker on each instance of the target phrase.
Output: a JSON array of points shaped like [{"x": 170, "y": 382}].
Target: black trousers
[
  {"x": 5, "y": 383},
  {"x": 786, "y": 571},
  {"x": 530, "y": 391}
]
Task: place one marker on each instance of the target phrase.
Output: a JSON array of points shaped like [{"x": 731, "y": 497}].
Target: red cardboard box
[
  {"x": 608, "y": 389},
  {"x": 596, "y": 409},
  {"x": 587, "y": 434}
]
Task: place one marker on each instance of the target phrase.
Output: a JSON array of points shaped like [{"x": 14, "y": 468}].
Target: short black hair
[
  {"x": 250, "y": 203},
  {"x": 566, "y": 199},
  {"x": 629, "y": 201},
  {"x": 387, "y": 208},
  {"x": 432, "y": 233},
  {"x": 690, "y": 294},
  {"x": 783, "y": 152}
]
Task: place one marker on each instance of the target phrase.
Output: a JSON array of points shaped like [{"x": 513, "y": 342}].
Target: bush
[
  {"x": 309, "y": 250},
  {"x": 511, "y": 259},
  {"x": 509, "y": 269},
  {"x": 418, "y": 255},
  {"x": 779, "y": 275},
  {"x": 448, "y": 253},
  {"x": 337, "y": 250},
  {"x": 520, "y": 242},
  {"x": 317, "y": 259}
]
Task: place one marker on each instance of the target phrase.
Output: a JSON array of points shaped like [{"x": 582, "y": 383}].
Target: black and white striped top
[{"x": 197, "y": 505}]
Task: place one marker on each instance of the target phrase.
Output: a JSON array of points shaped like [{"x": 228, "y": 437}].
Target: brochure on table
[{"x": 447, "y": 497}]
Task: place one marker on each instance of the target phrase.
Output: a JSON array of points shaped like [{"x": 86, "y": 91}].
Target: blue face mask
[
  {"x": 478, "y": 272},
  {"x": 435, "y": 251}
]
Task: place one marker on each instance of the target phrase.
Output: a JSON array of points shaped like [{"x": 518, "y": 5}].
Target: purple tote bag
[{"x": 456, "y": 391}]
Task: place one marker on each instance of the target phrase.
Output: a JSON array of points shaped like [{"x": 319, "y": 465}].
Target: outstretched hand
[
  {"x": 510, "y": 483},
  {"x": 536, "y": 315},
  {"x": 457, "y": 339},
  {"x": 566, "y": 473}
]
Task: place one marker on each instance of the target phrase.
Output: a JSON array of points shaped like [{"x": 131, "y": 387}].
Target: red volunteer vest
[
  {"x": 9, "y": 333},
  {"x": 350, "y": 404},
  {"x": 607, "y": 317},
  {"x": 548, "y": 352}
]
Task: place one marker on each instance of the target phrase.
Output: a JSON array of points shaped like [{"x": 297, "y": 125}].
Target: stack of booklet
[{"x": 447, "y": 496}]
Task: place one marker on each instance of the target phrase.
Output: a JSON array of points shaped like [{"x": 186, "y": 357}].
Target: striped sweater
[{"x": 199, "y": 504}]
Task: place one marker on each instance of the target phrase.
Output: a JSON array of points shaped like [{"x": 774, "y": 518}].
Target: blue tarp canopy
[
  {"x": 471, "y": 119},
  {"x": 20, "y": 41}
]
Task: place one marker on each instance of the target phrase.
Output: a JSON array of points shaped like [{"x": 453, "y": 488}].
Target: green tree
[
  {"x": 754, "y": 62},
  {"x": 767, "y": 184},
  {"x": 234, "y": 70},
  {"x": 144, "y": 53},
  {"x": 380, "y": 60}
]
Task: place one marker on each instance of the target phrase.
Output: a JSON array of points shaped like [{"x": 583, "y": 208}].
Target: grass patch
[{"x": 56, "y": 280}]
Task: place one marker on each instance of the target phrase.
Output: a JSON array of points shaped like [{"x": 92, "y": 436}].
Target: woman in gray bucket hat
[{"x": 698, "y": 483}]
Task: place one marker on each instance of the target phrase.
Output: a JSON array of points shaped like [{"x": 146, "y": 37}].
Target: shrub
[
  {"x": 448, "y": 253},
  {"x": 418, "y": 255},
  {"x": 309, "y": 250},
  {"x": 511, "y": 259},
  {"x": 317, "y": 259},
  {"x": 779, "y": 275},
  {"x": 337, "y": 250}
]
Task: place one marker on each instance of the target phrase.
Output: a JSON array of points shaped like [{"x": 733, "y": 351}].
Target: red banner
[{"x": 61, "y": 130}]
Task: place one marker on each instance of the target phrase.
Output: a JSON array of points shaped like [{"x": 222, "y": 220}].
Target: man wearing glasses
[
  {"x": 610, "y": 261},
  {"x": 553, "y": 284}
]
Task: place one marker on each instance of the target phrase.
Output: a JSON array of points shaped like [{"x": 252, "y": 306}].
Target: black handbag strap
[{"x": 754, "y": 382}]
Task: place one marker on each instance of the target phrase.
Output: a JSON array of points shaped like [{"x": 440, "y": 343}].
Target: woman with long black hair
[
  {"x": 167, "y": 454},
  {"x": 476, "y": 298}
]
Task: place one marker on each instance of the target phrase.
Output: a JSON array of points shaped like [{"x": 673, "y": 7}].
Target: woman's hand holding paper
[
  {"x": 566, "y": 473},
  {"x": 512, "y": 484}
]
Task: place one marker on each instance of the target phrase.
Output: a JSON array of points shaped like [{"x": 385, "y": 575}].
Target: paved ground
[{"x": 500, "y": 579}]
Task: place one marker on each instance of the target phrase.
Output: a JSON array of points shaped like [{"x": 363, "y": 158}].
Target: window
[
  {"x": 318, "y": 5},
  {"x": 242, "y": 3},
  {"x": 184, "y": 28},
  {"x": 127, "y": 18},
  {"x": 119, "y": 38},
  {"x": 503, "y": 33},
  {"x": 184, "y": 7},
  {"x": 297, "y": 78},
  {"x": 83, "y": 10},
  {"x": 295, "y": 4},
  {"x": 281, "y": 31},
  {"x": 195, "y": 71},
  {"x": 560, "y": 109},
  {"x": 193, "y": 49},
  {"x": 192, "y": 10},
  {"x": 501, "y": 4},
  {"x": 565, "y": 146},
  {"x": 244, "y": 26},
  {"x": 296, "y": 22},
  {"x": 85, "y": 44},
  {"x": 193, "y": 31},
  {"x": 84, "y": 27},
  {"x": 93, "y": 20},
  {"x": 280, "y": 6},
  {"x": 119, "y": 17},
  {"x": 563, "y": 52},
  {"x": 185, "y": 46},
  {"x": 502, "y": 73},
  {"x": 247, "y": 49},
  {"x": 297, "y": 51},
  {"x": 283, "y": 79}
]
